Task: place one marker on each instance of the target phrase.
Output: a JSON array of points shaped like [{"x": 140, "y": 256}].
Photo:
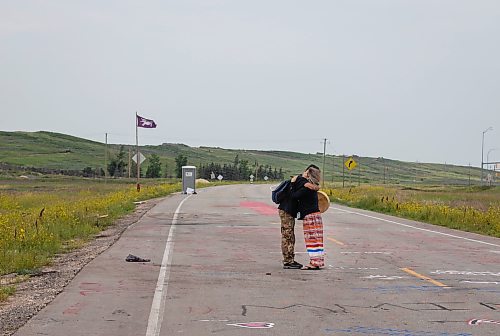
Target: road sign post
[
  {"x": 343, "y": 172},
  {"x": 350, "y": 164}
]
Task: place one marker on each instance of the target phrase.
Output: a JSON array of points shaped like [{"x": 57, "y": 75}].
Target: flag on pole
[{"x": 146, "y": 123}]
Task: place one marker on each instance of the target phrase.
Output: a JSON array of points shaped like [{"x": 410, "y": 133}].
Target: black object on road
[{"x": 133, "y": 258}]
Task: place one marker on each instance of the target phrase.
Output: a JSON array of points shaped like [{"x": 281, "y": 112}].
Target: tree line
[
  {"x": 118, "y": 166},
  {"x": 239, "y": 170}
]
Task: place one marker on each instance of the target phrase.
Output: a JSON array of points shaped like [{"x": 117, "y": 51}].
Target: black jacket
[
  {"x": 289, "y": 205},
  {"x": 305, "y": 198}
]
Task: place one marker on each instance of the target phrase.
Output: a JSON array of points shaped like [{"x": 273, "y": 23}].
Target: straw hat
[{"x": 323, "y": 201}]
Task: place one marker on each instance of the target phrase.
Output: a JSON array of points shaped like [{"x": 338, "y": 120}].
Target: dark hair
[{"x": 312, "y": 166}]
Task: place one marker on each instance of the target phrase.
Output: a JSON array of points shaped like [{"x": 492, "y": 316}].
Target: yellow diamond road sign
[{"x": 350, "y": 163}]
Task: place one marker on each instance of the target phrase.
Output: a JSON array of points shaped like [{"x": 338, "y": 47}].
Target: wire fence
[{"x": 386, "y": 171}]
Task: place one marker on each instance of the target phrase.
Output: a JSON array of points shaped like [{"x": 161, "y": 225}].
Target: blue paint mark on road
[{"x": 392, "y": 332}]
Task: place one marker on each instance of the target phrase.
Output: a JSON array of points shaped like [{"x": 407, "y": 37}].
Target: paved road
[{"x": 216, "y": 266}]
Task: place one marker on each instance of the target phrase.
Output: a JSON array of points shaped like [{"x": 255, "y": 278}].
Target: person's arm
[{"x": 312, "y": 186}]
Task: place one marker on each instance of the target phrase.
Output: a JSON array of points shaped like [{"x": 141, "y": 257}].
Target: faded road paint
[
  {"x": 261, "y": 208},
  {"x": 336, "y": 241},
  {"x": 423, "y": 277}
]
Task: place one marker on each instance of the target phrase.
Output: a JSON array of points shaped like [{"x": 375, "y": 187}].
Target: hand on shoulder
[{"x": 312, "y": 186}]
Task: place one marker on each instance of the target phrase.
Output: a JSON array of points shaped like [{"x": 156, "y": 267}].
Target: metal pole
[
  {"x": 137, "y": 153},
  {"x": 106, "y": 158},
  {"x": 482, "y": 155},
  {"x": 343, "y": 171}
]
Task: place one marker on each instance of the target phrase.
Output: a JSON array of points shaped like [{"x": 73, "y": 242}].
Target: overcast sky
[{"x": 414, "y": 80}]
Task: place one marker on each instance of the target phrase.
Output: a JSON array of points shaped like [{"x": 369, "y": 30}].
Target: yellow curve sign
[{"x": 350, "y": 163}]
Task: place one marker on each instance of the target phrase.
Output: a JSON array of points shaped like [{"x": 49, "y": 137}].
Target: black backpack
[{"x": 281, "y": 192}]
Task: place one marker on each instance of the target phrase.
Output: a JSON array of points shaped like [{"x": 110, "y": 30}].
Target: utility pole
[
  {"x": 106, "y": 158},
  {"x": 324, "y": 156}
]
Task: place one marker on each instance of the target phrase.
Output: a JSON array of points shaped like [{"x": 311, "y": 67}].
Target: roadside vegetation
[
  {"x": 46, "y": 215},
  {"x": 6, "y": 291},
  {"x": 472, "y": 209},
  {"x": 40, "y": 219}
]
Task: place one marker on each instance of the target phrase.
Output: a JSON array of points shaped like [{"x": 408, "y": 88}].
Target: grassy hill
[{"x": 65, "y": 152}]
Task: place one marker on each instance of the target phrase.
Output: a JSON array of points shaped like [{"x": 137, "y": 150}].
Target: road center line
[
  {"x": 417, "y": 228},
  {"x": 423, "y": 277},
  {"x": 336, "y": 241},
  {"x": 158, "y": 305}
]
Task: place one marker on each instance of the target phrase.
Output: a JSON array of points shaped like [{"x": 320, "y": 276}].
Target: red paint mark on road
[
  {"x": 200, "y": 310},
  {"x": 261, "y": 208},
  {"x": 90, "y": 288},
  {"x": 74, "y": 309}
]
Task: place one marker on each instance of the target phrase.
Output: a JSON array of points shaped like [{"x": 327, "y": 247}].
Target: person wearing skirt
[
  {"x": 308, "y": 212},
  {"x": 313, "y": 236}
]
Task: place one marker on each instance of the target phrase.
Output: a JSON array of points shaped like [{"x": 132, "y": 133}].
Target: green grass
[
  {"x": 475, "y": 209},
  {"x": 43, "y": 217},
  {"x": 6, "y": 291},
  {"x": 60, "y": 151}
]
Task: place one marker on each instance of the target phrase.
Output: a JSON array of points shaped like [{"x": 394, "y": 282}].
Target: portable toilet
[{"x": 188, "y": 179}]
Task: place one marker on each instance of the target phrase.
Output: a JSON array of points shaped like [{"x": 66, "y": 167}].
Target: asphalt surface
[{"x": 216, "y": 270}]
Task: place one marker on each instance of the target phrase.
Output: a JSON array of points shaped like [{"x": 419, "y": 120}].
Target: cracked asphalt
[{"x": 216, "y": 270}]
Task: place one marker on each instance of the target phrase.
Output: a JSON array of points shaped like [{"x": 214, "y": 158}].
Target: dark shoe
[{"x": 292, "y": 265}]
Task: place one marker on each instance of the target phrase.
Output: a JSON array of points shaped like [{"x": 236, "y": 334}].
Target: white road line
[
  {"x": 482, "y": 282},
  {"x": 417, "y": 228},
  {"x": 158, "y": 305}
]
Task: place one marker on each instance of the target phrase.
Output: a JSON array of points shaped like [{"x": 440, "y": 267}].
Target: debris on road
[{"x": 133, "y": 258}]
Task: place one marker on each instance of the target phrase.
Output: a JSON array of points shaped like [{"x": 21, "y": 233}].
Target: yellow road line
[
  {"x": 423, "y": 277},
  {"x": 336, "y": 241}
]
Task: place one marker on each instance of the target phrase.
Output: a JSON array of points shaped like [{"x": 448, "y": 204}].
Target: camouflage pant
[{"x": 287, "y": 236}]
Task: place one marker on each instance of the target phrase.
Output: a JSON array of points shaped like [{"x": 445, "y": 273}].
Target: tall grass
[
  {"x": 6, "y": 291},
  {"x": 468, "y": 209},
  {"x": 36, "y": 225}
]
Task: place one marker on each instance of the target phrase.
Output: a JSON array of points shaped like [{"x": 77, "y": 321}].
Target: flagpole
[
  {"x": 137, "y": 152},
  {"x": 106, "y": 159}
]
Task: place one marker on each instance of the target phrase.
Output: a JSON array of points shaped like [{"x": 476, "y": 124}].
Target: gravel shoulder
[{"x": 38, "y": 290}]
